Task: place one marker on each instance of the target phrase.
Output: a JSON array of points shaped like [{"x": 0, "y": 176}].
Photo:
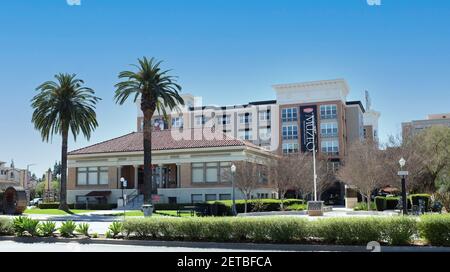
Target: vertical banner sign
[{"x": 307, "y": 115}]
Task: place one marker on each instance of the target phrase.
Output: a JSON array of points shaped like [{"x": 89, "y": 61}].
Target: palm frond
[{"x": 64, "y": 105}]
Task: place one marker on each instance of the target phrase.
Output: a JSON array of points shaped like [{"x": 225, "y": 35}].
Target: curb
[{"x": 225, "y": 246}]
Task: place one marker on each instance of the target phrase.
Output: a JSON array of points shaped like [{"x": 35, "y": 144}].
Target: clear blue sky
[{"x": 228, "y": 51}]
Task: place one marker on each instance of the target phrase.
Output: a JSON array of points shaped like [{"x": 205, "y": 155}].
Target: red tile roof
[{"x": 165, "y": 140}]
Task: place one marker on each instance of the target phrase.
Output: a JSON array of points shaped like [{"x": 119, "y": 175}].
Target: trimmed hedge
[
  {"x": 218, "y": 229},
  {"x": 391, "y": 202},
  {"x": 435, "y": 229},
  {"x": 223, "y": 208},
  {"x": 346, "y": 231},
  {"x": 414, "y": 200},
  {"x": 170, "y": 207},
  {"x": 386, "y": 203}
]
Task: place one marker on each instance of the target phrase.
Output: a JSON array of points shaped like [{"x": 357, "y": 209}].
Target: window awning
[{"x": 99, "y": 193}]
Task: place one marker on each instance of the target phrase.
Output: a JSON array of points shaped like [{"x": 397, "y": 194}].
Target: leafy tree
[
  {"x": 363, "y": 168},
  {"x": 247, "y": 177},
  {"x": 427, "y": 156},
  {"x": 61, "y": 107},
  {"x": 158, "y": 91},
  {"x": 304, "y": 173},
  {"x": 40, "y": 188},
  {"x": 57, "y": 169}
]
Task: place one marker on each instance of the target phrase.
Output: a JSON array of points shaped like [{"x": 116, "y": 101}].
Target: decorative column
[
  {"x": 178, "y": 175},
  {"x": 136, "y": 177},
  {"x": 119, "y": 175},
  {"x": 161, "y": 175}
]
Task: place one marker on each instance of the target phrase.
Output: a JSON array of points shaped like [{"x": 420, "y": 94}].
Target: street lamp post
[
  {"x": 314, "y": 157},
  {"x": 233, "y": 173},
  {"x": 403, "y": 175},
  {"x": 124, "y": 184}
]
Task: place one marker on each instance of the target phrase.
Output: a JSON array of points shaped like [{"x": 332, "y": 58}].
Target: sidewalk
[
  {"x": 183, "y": 246},
  {"x": 336, "y": 212}
]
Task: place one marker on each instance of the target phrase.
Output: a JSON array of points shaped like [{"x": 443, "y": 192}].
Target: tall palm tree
[
  {"x": 61, "y": 106},
  {"x": 158, "y": 91}
]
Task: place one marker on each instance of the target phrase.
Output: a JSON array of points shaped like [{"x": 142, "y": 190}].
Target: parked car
[{"x": 36, "y": 201}]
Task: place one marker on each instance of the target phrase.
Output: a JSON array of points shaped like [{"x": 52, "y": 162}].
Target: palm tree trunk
[
  {"x": 148, "y": 180},
  {"x": 63, "y": 190}
]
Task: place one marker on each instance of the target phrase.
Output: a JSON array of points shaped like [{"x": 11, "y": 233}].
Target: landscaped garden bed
[{"x": 427, "y": 230}]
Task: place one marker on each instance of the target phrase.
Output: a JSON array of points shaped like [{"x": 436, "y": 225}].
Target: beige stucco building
[
  {"x": 187, "y": 168},
  {"x": 11, "y": 176}
]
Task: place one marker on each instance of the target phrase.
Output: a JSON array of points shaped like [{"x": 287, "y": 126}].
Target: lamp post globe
[{"x": 402, "y": 162}]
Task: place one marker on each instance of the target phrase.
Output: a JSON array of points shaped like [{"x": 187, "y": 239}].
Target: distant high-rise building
[{"x": 410, "y": 129}]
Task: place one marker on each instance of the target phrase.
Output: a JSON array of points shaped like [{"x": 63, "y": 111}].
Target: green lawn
[
  {"x": 127, "y": 213},
  {"x": 54, "y": 211},
  {"x": 172, "y": 213}
]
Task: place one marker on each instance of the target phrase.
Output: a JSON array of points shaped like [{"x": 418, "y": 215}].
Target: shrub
[
  {"x": 142, "y": 229},
  {"x": 398, "y": 230},
  {"x": 386, "y": 203},
  {"x": 116, "y": 228},
  {"x": 346, "y": 231},
  {"x": 259, "y": 206},
  {"x": 224, "y": 207},
  {"x": 83, "y": 229},
  {"x": 435, "y": 229},
  {"x": 25, "y": 225},
  {"x": 67, "y": 229},
  {"x": 392, "y": 202},
  {"x": 109, "y": 235},
  {"x": 296, "y": 207},
  {"x": 47, "y": 206},
  {"x": 362, "y": 206},
  {"x": 95, "y": 235},
  {"x": 6, "y": 226},
  {"x": 287, "y": 230},
  {"x": 18, "y": 226},
  {"x": 192, "y": 229},
  {"x": 170, "y": 207},
  {"x": 31, "y": 226},
  {"x": 414, "y": 200},
  {"x": 47, "y": 229},
  {"x": 283, "y": 230},
  {"x": 380, "y": 203}
]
